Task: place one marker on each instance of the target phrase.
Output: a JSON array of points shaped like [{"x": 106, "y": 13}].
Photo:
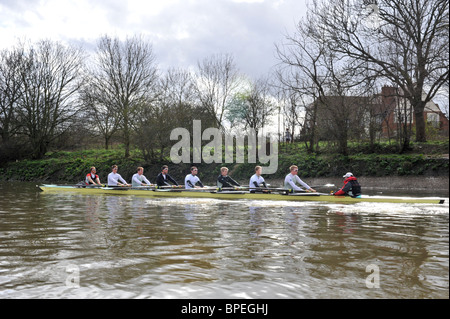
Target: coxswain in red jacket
[
  {"x": 351, "y": 187},
  {"x": 92, "y": 177}
]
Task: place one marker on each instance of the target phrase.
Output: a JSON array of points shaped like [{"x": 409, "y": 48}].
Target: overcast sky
[{"x": 181, "y": 31}]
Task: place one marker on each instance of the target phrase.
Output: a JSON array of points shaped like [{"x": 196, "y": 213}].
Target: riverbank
[{"x": 429, "y": 171}]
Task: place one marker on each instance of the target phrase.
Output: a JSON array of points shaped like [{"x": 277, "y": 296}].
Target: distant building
[
  {"x": 396, "y": 109},
  {"x": 380, "y": 114}
]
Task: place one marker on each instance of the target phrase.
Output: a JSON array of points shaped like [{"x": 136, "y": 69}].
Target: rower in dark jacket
[
  {"x": 224, "y": 180},
  {"x": 164, "y": 178},
  {"x": 351, "y": 186}
]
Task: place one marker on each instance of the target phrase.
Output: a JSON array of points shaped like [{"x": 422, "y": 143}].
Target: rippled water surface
[{"x": 82, "y": 246}]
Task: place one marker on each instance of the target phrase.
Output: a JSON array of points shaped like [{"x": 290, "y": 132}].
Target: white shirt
[
  {"x": 192, "y": 178},
  {"x": 113, "y": 178},
  {"x": 137, "y": 180},
  {"x": 255, "y": 178},
  {"x": 290, "y": 180}
]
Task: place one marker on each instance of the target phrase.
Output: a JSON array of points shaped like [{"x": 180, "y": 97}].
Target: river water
[{"x": 84, "y": 246}]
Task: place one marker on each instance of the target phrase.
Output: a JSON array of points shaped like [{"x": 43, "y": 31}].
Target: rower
[
  {"x": 164, "y": 178},
  {"x": 139, "y": 179},
  {"x": 92, "y": 178},
  {"x": 114, "y": 178},
  {"x": 224, "y": 180},
  {"x": 351, "y": 187},
  {"x": 257, "y": 182},
  {"x": 292, "y": 178},
  {"x": 191, "y": 180}
]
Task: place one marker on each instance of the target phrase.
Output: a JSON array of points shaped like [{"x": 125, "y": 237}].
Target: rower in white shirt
[
  {"x": 292, "y": 178},
  {"x": 257, "y": 182},
  {"x": 192, "y": 179},
  {"x": 139, "y": 179},
  {"x": 114, "y": 178}
]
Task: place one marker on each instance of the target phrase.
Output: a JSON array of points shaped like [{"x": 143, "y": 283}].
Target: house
[
  {"x": 337, "y": 117},
  {"x": 395, "y": 110},
  {"x": 381, "y": 115}
]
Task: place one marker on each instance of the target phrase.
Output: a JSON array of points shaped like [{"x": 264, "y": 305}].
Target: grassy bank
[{"x": 70, "y": 167}]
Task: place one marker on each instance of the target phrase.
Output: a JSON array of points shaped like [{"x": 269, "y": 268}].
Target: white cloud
[{"x": 182, "y": 31}]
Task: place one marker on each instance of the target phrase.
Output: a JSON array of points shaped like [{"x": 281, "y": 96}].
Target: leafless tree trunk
[
  {"x": 176, "y": 106},
  {"x": 311, "y": 68},
  {"x": 123, "y": 76},
  {"x": 10, "y": 91},
  {"x": 100, "y": 119},
  {"x": 50, "y": 77},
  {"x": 404, "y": 118},
  {"x": 297, "y": 115},
  {"x": 374, "y": 118},
  {"x": 304, "y": 74},
  {"x": 253, "y": 107},
  {"x": 217, "y": 80},
  {"x": 310, "y": 129}
]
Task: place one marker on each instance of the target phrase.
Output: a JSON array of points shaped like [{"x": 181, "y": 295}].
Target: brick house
[
  {"x": 379, "y": 115},
  {"x": 394, "y": 109}
]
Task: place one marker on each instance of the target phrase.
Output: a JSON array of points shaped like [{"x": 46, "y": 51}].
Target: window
[{"x": 433, "y": 119}]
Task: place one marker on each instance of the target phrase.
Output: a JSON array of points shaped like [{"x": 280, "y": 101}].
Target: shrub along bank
[{"x": 71, "y": 167}]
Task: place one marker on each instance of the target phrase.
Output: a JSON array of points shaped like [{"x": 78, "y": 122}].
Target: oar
[
  {"x": 83, "y": 185},
  {"x": 169, "y": 186},
  {"x": 237, "y": 188},
  {"x": 173, "y": 187},
  {"x": 280, "y": 189},
  {"x": 322, "y": 186},
  {"x": 117, "y": 186},
  {"x": 201, "y": 189},
  {"x": 153, "y": 186},
  {"x": 277, "y": 190}
]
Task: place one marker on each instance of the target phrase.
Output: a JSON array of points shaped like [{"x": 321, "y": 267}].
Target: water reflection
[{"x": 132, "y": 247}]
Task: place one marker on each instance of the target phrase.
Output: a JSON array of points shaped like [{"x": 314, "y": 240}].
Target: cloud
[{"x": 182, "y": 31}]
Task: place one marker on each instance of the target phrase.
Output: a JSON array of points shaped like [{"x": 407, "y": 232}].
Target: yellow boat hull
[{"x": 233, "y": 195}]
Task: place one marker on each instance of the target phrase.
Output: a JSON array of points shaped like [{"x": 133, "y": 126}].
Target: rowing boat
[{"x": 233, "y": 195}]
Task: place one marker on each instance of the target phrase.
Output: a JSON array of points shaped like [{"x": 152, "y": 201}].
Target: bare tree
[
  {"x": 10, "y": 91},
  {"x": 294, "y": 108},
  {"x": 301, "y": 112},
  {"x": 173, "y": 108},
  {"x": 154, "y": 126},
  {"x": 100, "y": 118},
  {"x": 309, "y": 67},
  {"x": 253, "y": 107},
  {"x": 343, "y": 105},
  {"x": 124, "y": 75},
  {"x": 303, "y": 74},
  {"x": 403, "y": 115},
  {"x": 176, "y": 106},
  {"x": 179, "y": 87},
  {"x": 375, "y": 114},
  {"x": 217, "y": 80},
  {"x": 403, "y": 41},
  {"x": 50, "y": 77}
]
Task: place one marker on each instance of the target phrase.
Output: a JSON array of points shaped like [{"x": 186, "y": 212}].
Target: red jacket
[
  {"x": 350, "y": 184},
  {"x": 92, "y": 176}
]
